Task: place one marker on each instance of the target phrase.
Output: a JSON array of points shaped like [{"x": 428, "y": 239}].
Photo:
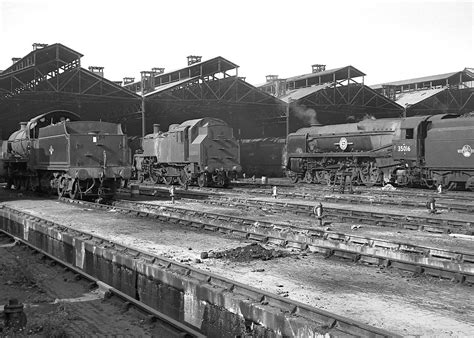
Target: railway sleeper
[
  {"x": 196, "y": 225},
  {"x": 210, "y": 227},
  {"x": 327, "y": 252},
  {"x": 411, "y": 226},
  {"x": 239, "y": 233},
  {"x": 413, "y": 250},
  {"x": 224, "y": 231},
  {"x": 454, "y": 276},
  {"x": 469, "y": 280},
  {"x": 452, "y": 256},
  {"x": 276, "y": 241},
  {"x": 257, "y": 237},
  {"x": 352, "y": 256},
  {"x": 296, "y": 245},
  {"x": 385, "y": 245},
  {"x": 467, "y": 258},
  {"x": 435, "y": 229},
  {"x": 371, "y": 260},
  {"x": 337, "y": 237},
  {"x": 360, "y": 241},
  {"x": 406, "y": 267}
]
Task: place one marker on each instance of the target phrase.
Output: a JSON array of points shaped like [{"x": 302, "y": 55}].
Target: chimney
[
  {"x": 118, "y": 83},
  {"x": 147, "y": 80},
  {"x": 127, "y": 80},
  {"x": 97, "y": 70},
  {"x": 23, "y": 125},
  {"x": 14, "y": 60},
  {"x": 158, "y": 70},
  {"x": 192, "y": 59},
  {"x": 156, "y": 128},
  {"x": 318, "y": 68},
  {"x": 271, "y": 78},
  {"x": 39, "y": 45}
]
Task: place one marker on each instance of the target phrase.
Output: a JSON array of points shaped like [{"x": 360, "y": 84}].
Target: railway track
[
  {"x": 454, "y": 265},
  {"x": 378, "y": 198},
  {"x": 305, "y": 188},
  {"x": 400, "y": 191},
  {"x": 176, "y": 329},
  {"x": 337, "y": 325},
  {"x": 374, "y": 197},
  {"x": 390, "y": 219}
]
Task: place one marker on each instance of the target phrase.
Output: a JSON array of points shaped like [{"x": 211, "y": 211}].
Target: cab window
[{"x": 409, "y": 134}]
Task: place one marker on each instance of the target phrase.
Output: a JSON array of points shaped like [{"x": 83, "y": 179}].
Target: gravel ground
[
  {"x": 57, "y": 305},
  {"x": 422, "y": 238},
  {"x": 388, "y": 299}
]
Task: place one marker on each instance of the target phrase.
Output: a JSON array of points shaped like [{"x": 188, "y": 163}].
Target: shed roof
[
  {"x": 170, "y": 86},
  {"x": 406, "y": 99},
  {"x": 302, "y": 92},
  {"x": 204, "y": 68},
  {"x": 339, "y": 74},
  {"x": 44, "y": 55},
  {"x": 465, "y": 75}
]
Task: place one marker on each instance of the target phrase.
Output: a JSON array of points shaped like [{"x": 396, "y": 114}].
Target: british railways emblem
[{"x": 466, "y": 150}]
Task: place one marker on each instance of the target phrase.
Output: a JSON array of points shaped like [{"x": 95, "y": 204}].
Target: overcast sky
[{"x": 387, "y": 40}]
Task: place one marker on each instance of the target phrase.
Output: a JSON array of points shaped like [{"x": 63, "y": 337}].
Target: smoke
[
  {"x": 308, "y": 115},
  {"x": 368, "y": 117}
]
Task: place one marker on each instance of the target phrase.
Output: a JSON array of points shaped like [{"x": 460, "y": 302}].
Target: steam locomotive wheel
[
  {"x": 17, "y": 182},
  {"x": 308, "y": 176},
  {"x": 322, "y": 176},
  {"x": 155, "y": 177},
  {"x": 292, "y": 176},
  {"x": 75, "y": 193},
  {"x": 369, "y": 175},
  {"x": 183, "y": 179},
  {"x": 168, "y": 180},
  {"x": 62, "y": 187},
  {"x": 202, "y": 180},
  {"x": 470, "y": 184}
]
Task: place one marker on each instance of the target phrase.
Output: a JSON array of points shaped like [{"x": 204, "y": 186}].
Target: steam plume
[{"x": 308, "y": 115}]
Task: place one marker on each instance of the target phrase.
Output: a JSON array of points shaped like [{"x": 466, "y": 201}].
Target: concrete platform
[{"x": 382, "y": 298}]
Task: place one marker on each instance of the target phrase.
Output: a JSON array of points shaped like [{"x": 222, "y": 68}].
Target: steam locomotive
[
  {"x": 422, "y": 150},
  {"x": 55, "y": 152},
  {"x": 201, "y": 151}
]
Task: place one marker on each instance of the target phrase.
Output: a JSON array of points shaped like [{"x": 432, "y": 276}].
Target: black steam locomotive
[
  {"x": 56, "y": 152},
  {"x": 202, "y": 151},
  {"x": 422, "y": 150}
]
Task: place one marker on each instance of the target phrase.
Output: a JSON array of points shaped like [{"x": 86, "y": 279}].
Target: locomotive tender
[
  {"x": 58, "y": 153},
  {"x": 201, "y": 151},
  {"x": 421, "y": 150}
]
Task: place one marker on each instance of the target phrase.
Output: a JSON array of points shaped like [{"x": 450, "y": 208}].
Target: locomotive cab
[
  {"x": 296, "y": 146},
  {"x": 410, "y": 146}
]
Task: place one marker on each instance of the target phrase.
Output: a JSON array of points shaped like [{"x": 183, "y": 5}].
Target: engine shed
[
  {"x": 211, "y": 88},
  {"x": 50, "y": 77},
  {"x": 449, "y": 93},
  {"x": 331, "y": 96}
]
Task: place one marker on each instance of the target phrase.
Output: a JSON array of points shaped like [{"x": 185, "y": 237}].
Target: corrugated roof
[
  {"x": 410, "y": 98},
  {"x": 169, "y": 86},
  {"x": 44, "y": 56},
  {"x": 466, "y": 76},
  {"x": 302, "y": 92},
  {"x": 204, "y": 68},
  {"x": 340, "y": 74}
]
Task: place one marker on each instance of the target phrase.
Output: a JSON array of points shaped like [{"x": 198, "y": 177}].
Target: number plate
[{"x": 403, "y": 148}]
